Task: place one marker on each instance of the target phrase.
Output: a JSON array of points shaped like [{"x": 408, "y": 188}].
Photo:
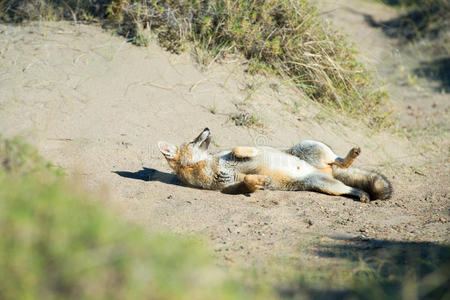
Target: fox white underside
[
  {"x": 292, "y": 166},
  {"x": 274, "y": 160}
]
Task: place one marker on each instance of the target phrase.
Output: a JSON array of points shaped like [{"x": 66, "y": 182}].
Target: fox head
[{"x": 187, "y": 154}]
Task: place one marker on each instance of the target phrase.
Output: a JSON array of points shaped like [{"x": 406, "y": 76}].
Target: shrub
[{"x": 278, "y": 36}]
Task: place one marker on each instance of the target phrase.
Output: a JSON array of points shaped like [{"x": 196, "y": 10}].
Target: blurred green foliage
[{"x": 57, "y": 243}]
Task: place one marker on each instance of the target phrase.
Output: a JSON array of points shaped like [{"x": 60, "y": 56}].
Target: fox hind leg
[
  {"x": 247, "y": 183},
  {"x": 349, "y": 159},
  {"x": 331, "y": 186}
]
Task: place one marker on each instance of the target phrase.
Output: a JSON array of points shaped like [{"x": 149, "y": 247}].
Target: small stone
[
  {"x": 169, "y": 197},
  {"x": 443, "y": 220},
  {"x": 310, "y": 222}
]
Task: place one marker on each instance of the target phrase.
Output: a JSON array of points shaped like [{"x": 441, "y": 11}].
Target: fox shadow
[{"x": 150, "y": 174}]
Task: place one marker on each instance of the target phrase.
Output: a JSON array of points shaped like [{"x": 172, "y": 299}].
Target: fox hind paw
[
  {"x": 355, "y": 151},
  {"x": 364, "y": 198}
]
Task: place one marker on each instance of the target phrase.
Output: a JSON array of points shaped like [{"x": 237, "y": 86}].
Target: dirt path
[
  {"x": 97, "y": 106},
  {"x": 422, "y": 104}
]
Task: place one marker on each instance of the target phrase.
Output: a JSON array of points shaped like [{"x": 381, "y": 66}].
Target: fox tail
[{"x": 375, "y": 184}]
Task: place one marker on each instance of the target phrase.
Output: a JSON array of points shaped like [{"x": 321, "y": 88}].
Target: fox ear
[{"x": 167, "y": 149}]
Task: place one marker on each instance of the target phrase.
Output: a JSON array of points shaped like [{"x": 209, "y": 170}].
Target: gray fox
[{"x": 308, "y": 166}]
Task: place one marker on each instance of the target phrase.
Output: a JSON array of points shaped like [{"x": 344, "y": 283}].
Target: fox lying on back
[{"x": 308, "y": 166}]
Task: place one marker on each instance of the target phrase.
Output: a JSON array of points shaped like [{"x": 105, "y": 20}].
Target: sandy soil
[{"x": 96, "y": 106}]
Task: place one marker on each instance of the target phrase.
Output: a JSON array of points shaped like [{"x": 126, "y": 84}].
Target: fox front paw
[
  {"x": 258, "y": 180},
  {"x": 245, "y": 152}
]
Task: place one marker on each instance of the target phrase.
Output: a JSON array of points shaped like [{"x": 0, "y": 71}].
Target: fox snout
[
  {"x": 203, "y": 135},
  {"x": 203, "y": 140}
]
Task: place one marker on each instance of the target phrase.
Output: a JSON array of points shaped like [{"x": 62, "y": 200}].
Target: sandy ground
[{"x": 96, "y": 106}]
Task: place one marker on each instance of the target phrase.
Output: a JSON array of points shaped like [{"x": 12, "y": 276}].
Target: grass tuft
[
  {"x": 243, "y": 118},
  {"x": 19, "y": 159},
  {"x": 287, "y": 38}
]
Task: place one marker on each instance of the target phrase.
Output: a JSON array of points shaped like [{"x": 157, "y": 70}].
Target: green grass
[
  {"x": 19, "y": 159},
  {"x": 283, "y": 37},
  {"x": 58, "y": 243}
]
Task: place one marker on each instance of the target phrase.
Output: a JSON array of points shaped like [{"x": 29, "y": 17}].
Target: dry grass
[
  {"x": 276, "y": 36},
  {"x": 284, "y": 37}
]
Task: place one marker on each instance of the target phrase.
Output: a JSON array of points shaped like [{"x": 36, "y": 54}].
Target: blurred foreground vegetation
[{"x": 59, "y": 243}]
